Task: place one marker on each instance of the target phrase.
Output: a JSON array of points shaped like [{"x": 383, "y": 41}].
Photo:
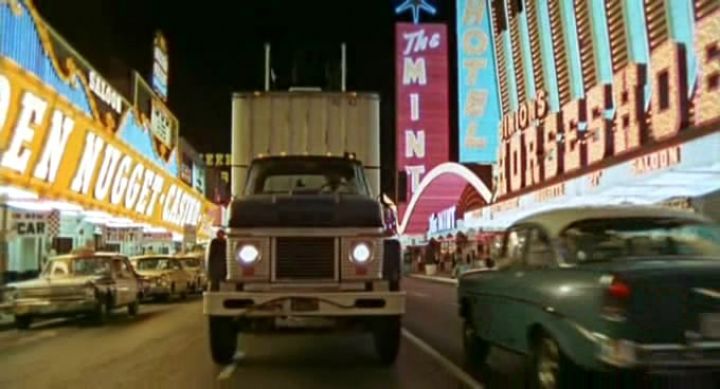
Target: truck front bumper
[{"x": 278, "y": 304}]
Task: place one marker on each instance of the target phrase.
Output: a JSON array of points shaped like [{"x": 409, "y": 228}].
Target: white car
[
  {"x": 163, "y": 276},
  {"x": 81, "y": 283}
]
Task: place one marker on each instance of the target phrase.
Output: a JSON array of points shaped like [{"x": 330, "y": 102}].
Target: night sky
[{"x": 216, "y": 48}]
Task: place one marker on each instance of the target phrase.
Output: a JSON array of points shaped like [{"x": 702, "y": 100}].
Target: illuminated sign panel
[
  {"x": 61, "y": 152},
  {"x": 160, "y": 66},
  {"x": 161, "y": 123},
  {"x": 422, "y": 101},
  {"x": 479, "y": 100},
  {"x": 657, "y": 85},
  {"x": 443, "y": 221},
  {"x": 59, "y": 137}
]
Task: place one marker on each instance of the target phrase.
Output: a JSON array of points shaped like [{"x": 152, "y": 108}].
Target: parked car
[
  {"x": 602, "y": 289},
  {"x": 194, "y": 264},
  {"x": 164, "y": 276},
  {"x": 93, "y": 283}
]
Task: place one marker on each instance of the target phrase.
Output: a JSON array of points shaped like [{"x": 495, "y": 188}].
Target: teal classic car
[{"x": 601, "y": 289}]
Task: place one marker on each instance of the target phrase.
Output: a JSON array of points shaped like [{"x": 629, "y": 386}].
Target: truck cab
[{"x": 306, "y": 247}]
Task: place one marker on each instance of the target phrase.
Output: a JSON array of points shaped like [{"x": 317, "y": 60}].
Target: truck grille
[{"x": 305, "y": 258}]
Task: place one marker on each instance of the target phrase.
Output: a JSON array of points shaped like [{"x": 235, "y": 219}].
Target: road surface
[
  {"x": 166, "y": 347},
  {"x": 432, "y": 315}
]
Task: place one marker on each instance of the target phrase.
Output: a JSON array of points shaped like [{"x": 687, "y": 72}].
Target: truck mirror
[{"x": 401, "y": 188}]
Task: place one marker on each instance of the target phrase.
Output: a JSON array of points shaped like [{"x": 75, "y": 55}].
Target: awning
[{"x": 646, "y": 180}]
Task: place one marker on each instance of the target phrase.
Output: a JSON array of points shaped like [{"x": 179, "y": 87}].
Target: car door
[
  {"x": 179, "y": 275},
  {"x": 535, "y": 283},
  {"x": 124, "y": 281},
  {"x": 495, "y": 306}
]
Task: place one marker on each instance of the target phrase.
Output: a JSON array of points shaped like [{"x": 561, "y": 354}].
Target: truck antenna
[
  {"x": 343, "y": 66},
  {"x": 267, "y": 67}
]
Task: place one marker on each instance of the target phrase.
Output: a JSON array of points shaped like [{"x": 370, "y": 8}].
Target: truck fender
[{"x": 392, "y": 265}]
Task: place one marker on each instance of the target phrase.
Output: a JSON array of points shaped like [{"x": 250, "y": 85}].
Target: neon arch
[{"x": 444, "y": 168}]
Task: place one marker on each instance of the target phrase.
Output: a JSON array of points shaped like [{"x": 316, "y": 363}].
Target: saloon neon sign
[{"x": 51, "y": 143}]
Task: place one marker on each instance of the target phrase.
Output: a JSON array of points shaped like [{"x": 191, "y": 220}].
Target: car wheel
[
  {"x": 475, "y": 349},
  {"x": 223, "y": 339},
  {"x": 23, "y": 322},
  {"x": 134, "y": 308},
  {"x": 550, "y": 368},
  {"x": 102, "y": 310},
  {"x": 386, "y": 334}
]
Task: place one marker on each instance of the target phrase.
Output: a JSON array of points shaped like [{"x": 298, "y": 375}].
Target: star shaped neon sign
[{"x": 415, "y": 6}]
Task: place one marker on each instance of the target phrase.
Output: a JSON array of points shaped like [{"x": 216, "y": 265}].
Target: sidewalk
[{"x": 440, "y": 278}]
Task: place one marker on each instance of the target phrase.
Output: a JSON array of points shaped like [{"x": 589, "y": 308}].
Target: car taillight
[
  {"x": 617, "y": 298},
  {"x": 619, "y": 289}
]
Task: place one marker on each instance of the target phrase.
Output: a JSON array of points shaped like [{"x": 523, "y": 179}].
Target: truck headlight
[
  {"x": 247, "y": 254},
  {"x": 360, "y": 253}
]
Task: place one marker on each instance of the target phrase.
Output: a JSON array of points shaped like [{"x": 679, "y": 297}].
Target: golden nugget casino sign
[
  {"x": 586, "y": 85},
  {"x": 56, "y": 139}
]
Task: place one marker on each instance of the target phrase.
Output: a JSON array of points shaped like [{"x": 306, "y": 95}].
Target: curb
[{"x": 441, "y": 280}]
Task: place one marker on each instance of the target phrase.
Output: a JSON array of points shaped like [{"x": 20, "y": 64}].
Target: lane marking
[
  {"x": 451, "y": 368},
  {"x": 228, "y": 371}
]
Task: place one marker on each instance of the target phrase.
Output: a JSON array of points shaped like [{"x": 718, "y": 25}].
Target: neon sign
[
  {"x": 160, "y": 66},
  {"x": 62, "y": 136},
  {"x": 415, "y": 6},
  {"x": 644, "y": 104},
  {"x": 479, "y": 101},
  {"x": 51, "y": 144},
  {"x": 422, "y": 102}
]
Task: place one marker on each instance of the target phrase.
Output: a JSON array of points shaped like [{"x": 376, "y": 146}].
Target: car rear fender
[{"x": 575, "y": 342}]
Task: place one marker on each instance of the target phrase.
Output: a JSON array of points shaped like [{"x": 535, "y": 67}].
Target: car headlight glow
[
  {"x": 360, "y": 253},
  {"x": 11, "y": 294},
  {"x": 247, "y": 254},
  {"x": 89, "y": 291}
]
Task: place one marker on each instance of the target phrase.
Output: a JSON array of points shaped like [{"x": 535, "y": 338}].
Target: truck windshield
[{"x": 297, "y": 176}]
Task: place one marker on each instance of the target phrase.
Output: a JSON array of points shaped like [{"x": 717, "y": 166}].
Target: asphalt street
[
  {"x": 166, "y": 347},
  {"x": 433, "y": 315}
]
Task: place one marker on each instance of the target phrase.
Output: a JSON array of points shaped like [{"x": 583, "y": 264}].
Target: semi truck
[{"x": 307, "y": 244}]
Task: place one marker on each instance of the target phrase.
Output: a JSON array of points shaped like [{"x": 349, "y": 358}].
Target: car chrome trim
[
  {"x": 712, "y": 293},
  {"x": 701, "y": 345}
]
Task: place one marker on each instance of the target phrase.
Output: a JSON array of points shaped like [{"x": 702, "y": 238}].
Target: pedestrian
[{"x": 217, "y": 260}]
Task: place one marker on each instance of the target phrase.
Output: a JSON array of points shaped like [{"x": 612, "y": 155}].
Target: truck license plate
[
  {"x": 304, "y": 304},
  {"x": 710, "y": 325}
]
